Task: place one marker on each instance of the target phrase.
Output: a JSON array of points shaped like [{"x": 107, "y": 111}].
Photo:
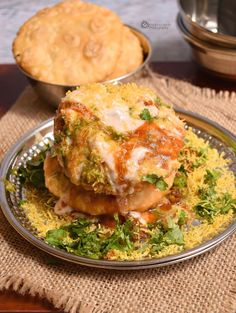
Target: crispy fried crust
[
  {"x": 70, "y": 43},
  {"x": 131, "y": 56},
  {"x": 97, "y": 204}
]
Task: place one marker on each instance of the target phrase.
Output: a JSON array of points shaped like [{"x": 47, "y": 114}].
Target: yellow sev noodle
[
  {"x": 43, "y": 218},
  {"x": 214, "y": 161},
  {"x": 40, "y": 215}
]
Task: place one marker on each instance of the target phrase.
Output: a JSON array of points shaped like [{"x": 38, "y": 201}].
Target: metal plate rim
[{"x": 106, "y": 264}]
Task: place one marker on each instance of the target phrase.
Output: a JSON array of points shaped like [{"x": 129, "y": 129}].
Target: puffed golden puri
[
  {"x": 115, "y": 149},
  {"x": 74, "y": 43}
]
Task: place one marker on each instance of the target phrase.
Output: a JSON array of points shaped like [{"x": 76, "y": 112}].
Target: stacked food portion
[
  {"x": 116, "y": 148},
  {"x": 76, "y": 42},
  {"x": 124, "y": 179}
]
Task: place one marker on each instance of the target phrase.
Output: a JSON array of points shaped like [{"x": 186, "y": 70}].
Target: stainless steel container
[
  {"x": 213, "y": 21},
  {"x": 218, "y": 60},
  {"x": 52, "y": 93}
]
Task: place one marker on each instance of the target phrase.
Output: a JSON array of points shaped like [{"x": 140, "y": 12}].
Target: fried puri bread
[
  {"x": 70, "y": 43},
  {"x": 131, "y": 56},
  {"x": 115, "y": 139},
  {"x": 74, "y": 198}
]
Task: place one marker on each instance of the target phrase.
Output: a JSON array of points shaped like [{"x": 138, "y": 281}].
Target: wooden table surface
[{"x": 12, "y": 83}]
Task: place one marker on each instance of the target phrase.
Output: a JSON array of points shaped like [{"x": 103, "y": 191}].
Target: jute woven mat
[{"x": 205, "y": 284}]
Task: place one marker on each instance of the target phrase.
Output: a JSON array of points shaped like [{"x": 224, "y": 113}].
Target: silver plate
[{"x": 35, "y": 140}]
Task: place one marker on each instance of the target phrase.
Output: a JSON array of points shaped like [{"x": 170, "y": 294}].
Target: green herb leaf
[
  {"x": 56, "y": 237},
  {"x": 211, "y": 177},
  {"x": 161, "y": 184},
  {"x": 82, "y": 237},
  {"x": 206, "y": 193},
  {"x": 174, "y": 236},
  {"x": 180, "y": 181},
  {"x": 78, "y": 228},
  {"x": 22, "y": 202},
  {"x": 121, "y": 238},
  {"x": 157, "y": 241},
  {"x": 182, "y": 169},
  {"x": 182, "y": 217},
  {"x": 212, "y": 206},
  {"x": 145, "y": 115},
  {"x": 161, "y": 103},
  {"x": 202, "y": 157},
  {"x": 162, "y": 238},
  {"x": 33, "y": 172},
  {"x": 227, "y": 203},
  {"x": 156, "y": 180},
  {"x": 90, "y": 239},
  {"x": 170, "y": 222}
]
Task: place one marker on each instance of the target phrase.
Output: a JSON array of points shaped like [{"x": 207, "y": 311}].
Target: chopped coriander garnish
[
  {"x": 202, "y": 157},
  {"x": 56, "y": 237},
  {"x": 206, "y": 193},
  {"x": 33, "y": 171},
  {"x": 22, "y": 202},
  {"x": 90, "y": 239},
  {"x": 180, "y": 180},
  {"x": 161, "y": 103},
  {"x": 145, "y": 115},
  {"x": 182, "y": 217},
  {"x": 162, "y": 238},
  {"x": 227, "y": 203},
  {"x": 199, "y": 162},
  {"x": 83, "y": 238},
  {"x": 211, "y": 177},
  {"x": 213, "y": 206},
  {"x": 161, "y": 184},
  {"x": 182, "y": 169},
  {"x": 156, "y": 180},
  {"x": 121, "y": 239},
  {"x": 174, "y": 236}
]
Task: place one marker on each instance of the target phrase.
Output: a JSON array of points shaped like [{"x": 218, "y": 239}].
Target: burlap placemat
[{"x": 205, "y": 284}]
